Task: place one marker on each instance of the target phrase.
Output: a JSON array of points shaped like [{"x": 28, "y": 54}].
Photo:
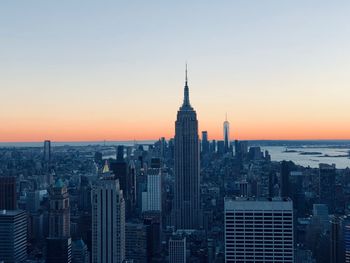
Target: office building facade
[{"x": 258, "y": 230}]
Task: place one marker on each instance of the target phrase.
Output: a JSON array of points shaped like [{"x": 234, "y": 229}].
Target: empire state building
[{"x": 186, "y": 200}]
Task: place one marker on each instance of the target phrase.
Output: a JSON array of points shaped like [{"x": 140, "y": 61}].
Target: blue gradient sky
[{"x": 92, "y": 70}]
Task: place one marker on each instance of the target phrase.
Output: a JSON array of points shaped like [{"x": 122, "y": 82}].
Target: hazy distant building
[
  {"x": 186, "y": 199},
  {"x": 8, "y": 199},
  {"x": 177, "y": 249},
  {"x": 205, "y": 142},
  {"x": 13, "y": 236},
  {"x": 258, "y": 230},
  {"x": 327, "y": 175},
  {"x": 212, "y": 146},
  {"x": 47, "y": 151},
  {"x": 226, "y": 127},
  {"x": 33, "y": 201},
  {"x": 108, "y": 220},
  {"x": 320, "y": 212},
  {"x": 220, "y": 149}
]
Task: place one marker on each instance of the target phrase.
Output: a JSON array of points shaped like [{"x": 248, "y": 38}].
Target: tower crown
[{"x": 186, "y": 103}]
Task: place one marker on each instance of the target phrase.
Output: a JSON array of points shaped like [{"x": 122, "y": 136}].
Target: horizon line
[{"x": 134, "y": 140}]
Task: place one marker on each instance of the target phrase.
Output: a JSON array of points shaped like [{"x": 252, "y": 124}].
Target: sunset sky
[{"x": 114, "y": 70}]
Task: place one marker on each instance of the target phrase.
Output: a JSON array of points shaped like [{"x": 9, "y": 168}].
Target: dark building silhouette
[
  {"x": 220, "y": 147},
  {"x": 285, "y": 183},
  {"x": 58, "y": 250},
  {"x": 186, "y": 201},
  {"x": 8, "y": 198},
  {"x": 327, "y": 185},
  {"x": 336, "y": 254},
  {"x": 205, "y": 142},
  {"x": 47, "y": 151}
]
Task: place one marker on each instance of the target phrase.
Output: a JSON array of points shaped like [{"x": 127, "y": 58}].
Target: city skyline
[{"x": 103, "y": 72}]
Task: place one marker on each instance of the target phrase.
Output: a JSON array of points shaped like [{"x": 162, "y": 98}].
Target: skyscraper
[
  {"x": 108, "y": 221},
  {"x": 285, "y": 184},
  {"x": 13, "y": 236},
  {"x": 59, "y": 213},
  {"x": 152, "y": 199},
  {"x": 59, "y": 243},
  {"x": 226, "y": 134},
  {"x": 47, "y": 151},
  {"x": 8, "y": 198},
  {"x": 258, "y": 230},
  {"x": 327, "y": 185},
  {"x": 186, "y": 200},
  {"x": 336, "y": 255},
  {"x": 205, "y": 142}
]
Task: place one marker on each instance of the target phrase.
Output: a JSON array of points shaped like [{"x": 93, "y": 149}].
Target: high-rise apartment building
[
  {"x": 108, "y": 221},
  {"x": 13, "y": 236},
  {"x": 186, "y": 208},
  {"x": 258, "y": 230}
]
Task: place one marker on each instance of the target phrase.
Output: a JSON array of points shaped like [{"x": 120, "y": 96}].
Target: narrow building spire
[{"x": 186, "y": 91}]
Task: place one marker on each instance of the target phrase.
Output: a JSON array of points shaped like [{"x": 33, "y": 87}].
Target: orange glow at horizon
[{"x": 88, "y": 131}]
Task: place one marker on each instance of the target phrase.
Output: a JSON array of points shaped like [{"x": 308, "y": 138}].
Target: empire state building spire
[{"x": 186, "y": 104}]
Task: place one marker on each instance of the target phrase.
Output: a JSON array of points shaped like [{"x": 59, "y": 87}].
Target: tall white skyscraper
[
  {"x": 152, "y": 199},
  {"x": 108, "y": 221},
  {"x": 258, "y": 230},
  {"x": 226, "y": 135}
]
